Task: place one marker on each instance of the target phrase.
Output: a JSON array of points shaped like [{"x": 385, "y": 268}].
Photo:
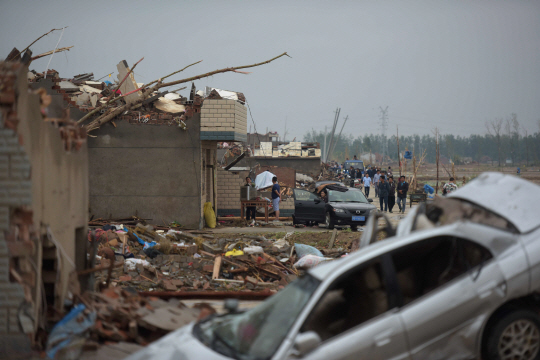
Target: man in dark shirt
[
  {"x": 402, "y": 189},
  {"x": 276, "y": 196},
  {"x": 352, "y": 174},
  {"x": 383, "y": 193},
  {"x": 251, "y": 211},
  {"x": 392, "y": 193}
]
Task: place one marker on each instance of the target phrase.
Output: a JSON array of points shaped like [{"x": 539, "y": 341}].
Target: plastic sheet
[
  {"x": 309, "y": 261},
  {"x": 264, "y": 180},
  {"x": 303, "y": 250},
  {"x": 71, "y": 328}
]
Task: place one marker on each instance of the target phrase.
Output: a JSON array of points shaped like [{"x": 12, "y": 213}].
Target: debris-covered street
[{"x": 267, "y": 181}]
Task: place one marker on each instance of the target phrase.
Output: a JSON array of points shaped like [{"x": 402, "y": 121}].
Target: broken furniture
[{"x": 246, "y": 203}]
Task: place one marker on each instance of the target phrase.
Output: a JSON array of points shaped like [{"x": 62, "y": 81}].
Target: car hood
[
  {"x": 178, "y": 345},
  {"x": 351, "y": 205},
  {"x": 509, "y": 196}
]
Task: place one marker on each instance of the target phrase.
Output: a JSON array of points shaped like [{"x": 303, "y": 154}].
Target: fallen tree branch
[
  {"x": 35, "y": 41},
  {"x": 171, "y": 74},
  {"x": 96, "y": 123},
  {"x": 51, "y": 52},
  {"x": 91, "y": 113}
]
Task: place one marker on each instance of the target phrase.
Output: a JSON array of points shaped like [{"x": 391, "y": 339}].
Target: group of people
[{"x": 386, "y": 189}]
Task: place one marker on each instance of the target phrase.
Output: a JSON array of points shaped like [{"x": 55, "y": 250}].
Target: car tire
[
  {"x": 354, "y": 227},
  {"x": 515, "y": 335},
  {"x": 329, "y": 224}
]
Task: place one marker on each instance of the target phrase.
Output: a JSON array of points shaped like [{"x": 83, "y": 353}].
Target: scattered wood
[{"x": 217, "y": 268}]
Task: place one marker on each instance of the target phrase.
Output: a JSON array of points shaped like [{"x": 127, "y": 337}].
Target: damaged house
[
  {"x": 158, "y": 160},
  {"x": 43, "y": 207}
]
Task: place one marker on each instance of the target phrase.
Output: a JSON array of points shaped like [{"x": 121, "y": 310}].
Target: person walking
[
  {"x": 276, "y": 197},
  {"x": 391, "y": 193},
  {"x": 384, "y": 190},
  {"x": 402, "y": 189},
  {"x": 367, "y": 183},
  {"x": 449, "y": 187},
  {"x": 352, "y": 174},
  {"x": 376, "y": 179},
  {"x": 251, "y": 211}
]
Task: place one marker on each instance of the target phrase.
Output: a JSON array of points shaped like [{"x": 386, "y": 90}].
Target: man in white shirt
[
  {"x": 376, "y": 180},
  {"x": 367, "y": 183}
]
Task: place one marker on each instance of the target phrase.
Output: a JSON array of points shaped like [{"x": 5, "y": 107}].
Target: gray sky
[{"x": 451, "y": 64}]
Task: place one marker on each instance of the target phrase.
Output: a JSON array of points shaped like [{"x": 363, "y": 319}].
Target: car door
[
  {"x": 308, "y": 206},
  {"x": 447, "y": 285},
  {"x": 357, "y": 317}
]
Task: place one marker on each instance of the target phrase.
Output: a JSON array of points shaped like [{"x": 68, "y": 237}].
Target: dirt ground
[{"x": 428, "y": 173}]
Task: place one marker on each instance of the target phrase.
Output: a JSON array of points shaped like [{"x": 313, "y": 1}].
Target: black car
[{"x": 348, "y": 206}]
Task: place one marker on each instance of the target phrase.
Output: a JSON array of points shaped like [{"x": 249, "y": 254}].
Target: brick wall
[
  {"x": 15, "y": 192},
  {"x": 228, "y": 192},
  {"x": 43, "y": 188},
  {"x": 223, "y": 120}
]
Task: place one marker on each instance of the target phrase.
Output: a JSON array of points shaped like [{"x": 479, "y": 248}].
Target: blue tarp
[
  {"x": 428, "y": 189},
  {"x": 408, "y": 154},
  {"x": 145, "y": 244},
  {"x": 71, "y": 327}
]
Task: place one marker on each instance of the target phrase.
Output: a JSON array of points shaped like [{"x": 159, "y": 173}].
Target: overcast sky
[{"x": 451, "y": 64}]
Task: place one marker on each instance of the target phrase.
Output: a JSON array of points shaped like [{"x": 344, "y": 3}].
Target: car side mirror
[
  {"x": 370, "y": 200},
  {"x": 306, "y": 342}
]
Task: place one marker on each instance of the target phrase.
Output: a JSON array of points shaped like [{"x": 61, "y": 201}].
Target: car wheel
[
  {"x": 514, "y": 336},
  {"x": 329, "y": 224},
  {"x": 354, "y": 227}
]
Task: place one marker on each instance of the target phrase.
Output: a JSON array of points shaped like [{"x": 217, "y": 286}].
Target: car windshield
[
  {"x": 347, "y": 196},
  {"x": 256, "y": 334}
]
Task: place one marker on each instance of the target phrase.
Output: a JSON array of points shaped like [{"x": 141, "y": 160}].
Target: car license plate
[{"x": 358, "y": 218}]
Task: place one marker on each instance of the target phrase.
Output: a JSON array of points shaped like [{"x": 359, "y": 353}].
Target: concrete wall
[
  {"x": 223, "y": 120},
  {"x": 151, "y": 171},
  {"x": 43, "y": 189}
]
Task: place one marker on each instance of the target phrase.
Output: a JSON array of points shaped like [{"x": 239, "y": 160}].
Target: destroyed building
[
  {"x": 43, "y": 207},
  {"x": 157, "y": 162}
]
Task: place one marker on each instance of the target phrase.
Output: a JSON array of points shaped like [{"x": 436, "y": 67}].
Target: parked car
[
  {"x": 459, "y": 280},
  {"x": 347, "y": 207}
]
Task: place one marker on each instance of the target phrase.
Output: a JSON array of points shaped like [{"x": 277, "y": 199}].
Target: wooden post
[{"x": 414, "y": 174}]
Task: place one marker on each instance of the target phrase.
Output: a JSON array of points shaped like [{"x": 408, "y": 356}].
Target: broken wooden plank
[
  {"x": 332, "y": 239},
  {"x": 217, "y": 268}
]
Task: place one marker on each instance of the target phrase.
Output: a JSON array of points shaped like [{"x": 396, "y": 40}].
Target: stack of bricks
[
  {"x": 223, "y": 120},
  {"x": 15, "y": 194},
  {"x": 228, "y": 192}
]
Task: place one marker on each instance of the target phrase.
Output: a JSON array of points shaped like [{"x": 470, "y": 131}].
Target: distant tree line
[{"x": 505, "y": 139}]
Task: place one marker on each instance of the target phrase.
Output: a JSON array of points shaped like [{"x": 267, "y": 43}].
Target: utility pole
[
  {"x": 339, "y": 136},
  {"x": 336, "y": 119},
  {"x": 436, "y": 132},
  {"x": 324, "y": 148},
  {"x": 398, "y": 153},
  {"x": 384, "y": 126}
]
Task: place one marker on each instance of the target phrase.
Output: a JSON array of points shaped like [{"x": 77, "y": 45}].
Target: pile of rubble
[{"x": 153, "y": 260}]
